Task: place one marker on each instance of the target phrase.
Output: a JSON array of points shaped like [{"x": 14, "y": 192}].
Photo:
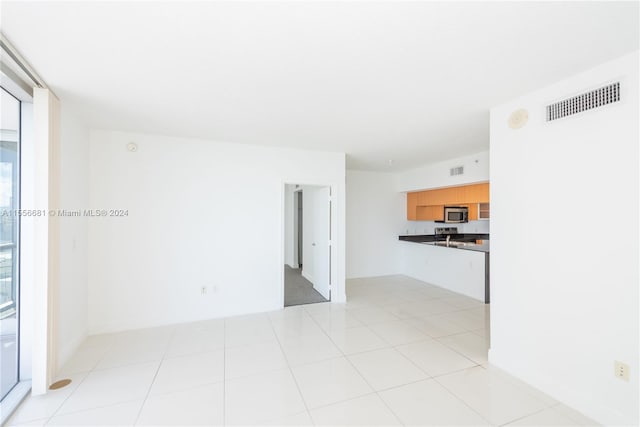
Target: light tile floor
[{"x": 400, "y": 352}]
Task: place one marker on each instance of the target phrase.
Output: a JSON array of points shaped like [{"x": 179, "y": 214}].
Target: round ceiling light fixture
[
  {"x": 132, "y": 147},
  {"x": 518, "y": 118}
]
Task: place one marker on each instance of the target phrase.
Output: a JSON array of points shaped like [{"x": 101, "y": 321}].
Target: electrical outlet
[{"x": 621, "y": 370}]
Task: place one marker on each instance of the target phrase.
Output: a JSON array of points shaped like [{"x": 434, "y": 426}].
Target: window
[{"x": 9, "y": 241}]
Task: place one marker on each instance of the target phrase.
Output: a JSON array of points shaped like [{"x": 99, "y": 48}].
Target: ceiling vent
[
  {"x": 586, "y": 101},
  {"x": 458, "y": 170}
]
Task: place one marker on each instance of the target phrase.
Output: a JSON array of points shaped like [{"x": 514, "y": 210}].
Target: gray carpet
[{"x": 298, "y": 290}]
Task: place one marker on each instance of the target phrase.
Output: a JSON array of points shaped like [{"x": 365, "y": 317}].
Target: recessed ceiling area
[{"x": 408, "y": 81}]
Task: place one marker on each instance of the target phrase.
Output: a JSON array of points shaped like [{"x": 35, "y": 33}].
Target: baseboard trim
[
  {"x": 68, "y": 350},
  {"x": 370, "y": 275},
  {"x": 565, "y": 395},
  {"x": 307, "y": 276}
]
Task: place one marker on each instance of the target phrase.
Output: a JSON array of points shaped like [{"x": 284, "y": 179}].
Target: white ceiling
[{"x": 408, "y": 81}]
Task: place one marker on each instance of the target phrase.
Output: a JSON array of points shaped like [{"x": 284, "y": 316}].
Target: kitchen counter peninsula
[
  {"x": 468, "y": 241},
  {"x": 461, "y": 267}
]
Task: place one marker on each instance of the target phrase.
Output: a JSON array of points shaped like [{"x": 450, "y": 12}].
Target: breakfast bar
[{"x": 459, "y": 263}]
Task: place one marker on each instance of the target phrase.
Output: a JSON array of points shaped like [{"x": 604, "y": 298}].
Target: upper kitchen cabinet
[
  {"x": 424, "y": 198},
  {"x": 427, "y": 205},
  {"x": 430, "y": 213},
  {"x": 484, "y": 211},
  {"x": 477, "y": 193},
  {"x": 412, "y": 203},
  {"x": 433, "y": 197},
  {"x": 454, "y": 195}
]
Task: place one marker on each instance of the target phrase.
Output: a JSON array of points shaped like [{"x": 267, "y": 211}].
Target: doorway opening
[{"x": 307, "y": 269}]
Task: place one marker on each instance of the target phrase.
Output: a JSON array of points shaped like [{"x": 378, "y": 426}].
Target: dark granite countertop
[
  {"x": 461, "y": 237},
  {"x": 430, "y": 239}
]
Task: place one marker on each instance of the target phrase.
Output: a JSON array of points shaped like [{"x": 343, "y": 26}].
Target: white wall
[
  {"x": 435, "y": 175},
  {"x": 307, "y": 232},
  {"x": 565, "y": 291},
  {"x": 201, "y": 214},
  {"x": 376, "y": 213},
  {"x": 427, "y": 227},
  {"x": 45, "y": 262},
  {"x": 72, "y": 317},
  {"x": 458, "y": 270},
  {"x": 290, "y": 234},
  {"x": 72, "y": 321}
]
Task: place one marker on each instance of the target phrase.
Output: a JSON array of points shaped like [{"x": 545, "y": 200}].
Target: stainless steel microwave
[{"x": 456, "y": 214}]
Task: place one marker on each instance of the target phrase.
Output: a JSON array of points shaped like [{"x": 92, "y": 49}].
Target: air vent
[
  {"x": 587, "y": 101},
  {"x": 458, "y": 170}
]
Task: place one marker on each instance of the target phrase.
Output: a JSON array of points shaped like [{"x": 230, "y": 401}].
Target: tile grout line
[
  {"x": 523, "y": 417},
  {"x": 344, "y": 356},
  {"x": 164, "y": 393},
  {"x": 458, "y": 351},
  {"x": 431, "y": 377},
  {"x": 523, "y": 387},
  {"x": 384, "y": 402},
  {"x": 437, "y": 339},
  {"x": 326, "y": 333},
  {"x": 460, "y": 400},
  {"x": 82, "y": 410},
  {"x": 326, "y": 405},
  {"x": 79, "y": 384},
  {"x": 411, "y": 361},
  {"x": 155, "y": 375},
  {"x": 375, "y": 392},
  {"x": 295, "y": 380},
  {"x": 55, "y": 413},
  {"x": 585, "y": 421},
  {"x": 406, "y": 321}
]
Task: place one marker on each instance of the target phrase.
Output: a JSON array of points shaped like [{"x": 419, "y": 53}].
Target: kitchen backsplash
[{"x": 427, "y": 227}]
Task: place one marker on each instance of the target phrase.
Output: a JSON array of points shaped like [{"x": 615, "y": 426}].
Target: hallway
[{"x": 298, "y": 290}]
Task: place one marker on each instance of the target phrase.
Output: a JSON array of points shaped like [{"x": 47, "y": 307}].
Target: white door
[{"x": 320, "y": 245}]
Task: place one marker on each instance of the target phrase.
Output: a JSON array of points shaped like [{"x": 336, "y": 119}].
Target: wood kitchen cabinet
[
  {"x": 412, "y": 203},
  {"x": 484, "y": 211},
  {"x": 433, "y": 197},
  {"x": 424, "y": 198},
  {"x": 478, "y": 193},
  {"x": 473, "y": 211},
  {"x": 430, "y": 213},
  {"x": 455, "y": 195},
  {"x": 429, "y": 205}
]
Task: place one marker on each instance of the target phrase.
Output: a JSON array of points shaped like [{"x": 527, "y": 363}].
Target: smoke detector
[{"x": 518, "y": 118}]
